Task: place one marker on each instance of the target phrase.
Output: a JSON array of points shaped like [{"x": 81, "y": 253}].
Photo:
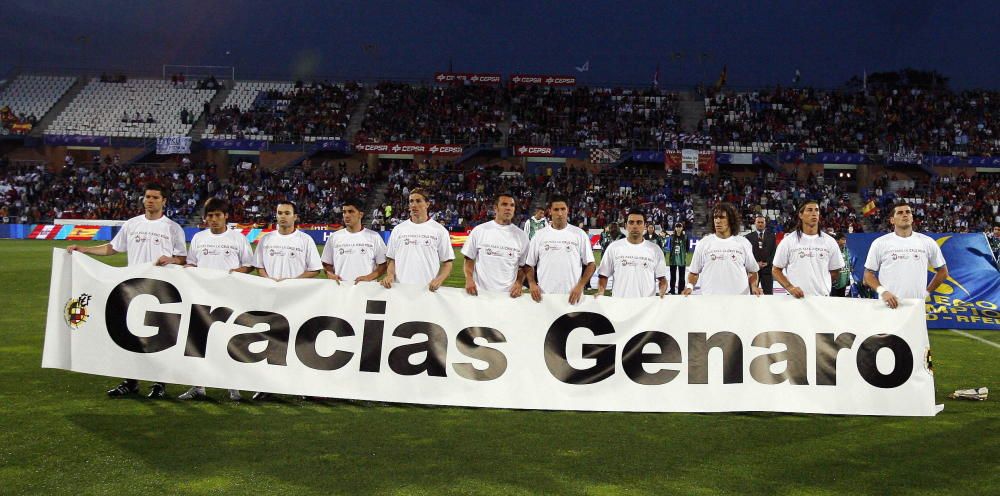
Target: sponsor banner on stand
[
  {"x": 467, "y": 77},
  {"x": 407, "y": 344},
  {"x": 545, "y": 151},
  {"x": 173, "y": 144},
  {"x": 75, "y": 140},
  {"x": 542, "y": 80},
  {"x": 409, "y": 148},
  {"x": 690, "y": 161}
]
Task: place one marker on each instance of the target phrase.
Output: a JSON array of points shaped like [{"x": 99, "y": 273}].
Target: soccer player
[
  {"x": 220, "y": 248},
  {"x": 287, "y": 253},
  {"x": 147, "y": 238},
  {"x": 560, "y": 259},
  {"x": 419, "y": 250},
  {"x": 535, "y": 224},
  {"x": 807, "y": 260},
  {"x": 723, "y": 261},
  {"x": 354, "y": 253},
  {"x": 495, "y": 252},
  {"x": 634, "y": 262},
  {"x": 901, "y": 259}
]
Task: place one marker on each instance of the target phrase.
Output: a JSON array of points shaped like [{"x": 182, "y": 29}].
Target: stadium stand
[
  {"x": 142, "y": 108},
  {"x": 463, "y": 115},
  {"x": 28, "y": 98},
  {"x": 285, "y": 111}
]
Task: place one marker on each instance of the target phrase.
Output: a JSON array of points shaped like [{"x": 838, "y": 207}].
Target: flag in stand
[{"x": 869, "y": 208}]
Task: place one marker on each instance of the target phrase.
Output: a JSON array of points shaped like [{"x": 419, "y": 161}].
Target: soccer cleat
[
  {"x": 126, "y": 388},
  {"x": 196, "y": 392},
  {"x": 234, "y": 394},
  {"x": 157, "y": 391},
  {"x": 261, "y": 396}
]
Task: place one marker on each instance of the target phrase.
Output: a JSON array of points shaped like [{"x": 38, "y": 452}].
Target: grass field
[{"x": 61, "y": 435}]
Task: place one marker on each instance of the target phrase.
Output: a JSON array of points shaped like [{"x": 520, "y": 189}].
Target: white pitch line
[{"x": 977, "y": 338}]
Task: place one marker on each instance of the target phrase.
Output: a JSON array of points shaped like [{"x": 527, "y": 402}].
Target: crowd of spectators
[
  {"x": 318, "y": 109},
  {"x": 593, "y": 117},
  {"x": 923, "y": 121},
  {"x": 455, "y": 114},
  {"x": 12, "y": 122},
  {"x": 943, "y": 203}
]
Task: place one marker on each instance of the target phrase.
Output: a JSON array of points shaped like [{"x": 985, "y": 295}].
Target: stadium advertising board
[
  {"x": 467, "y": 77},
  {"x": 75, "y": 140},
  {"x": 969, "y": 298},
  {"x": 545, "y": 151},
  {"x": 234, "y": 144},
  {"x": 543, "y": 79},
  {"x": 406, "y": 344},
  {"x": 689, "y": 161},
  {"x": 409, "y": 148}
]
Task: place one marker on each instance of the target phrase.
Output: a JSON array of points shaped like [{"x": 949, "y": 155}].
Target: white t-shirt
[
  {"x": 147, "y": 240},
  {"x": 636, "y": 267},
  {"x": 419, "y": 250},
  {"x": 808, "y": 260},
  {"x": 902, "y": 263},
  {"x": 559, "y": 256},
  {"x": 499, "y": 252},
  {"x": 227, "y": 251},
  {"x": 354, "y": 254},
  {"x": 285, "y": 256},
  {"x": 722, "y": 265}
]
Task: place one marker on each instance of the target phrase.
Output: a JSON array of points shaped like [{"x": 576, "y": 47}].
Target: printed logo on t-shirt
[
  {"x": 559, "y": 245},
  {"x": 810, "y": 252},
  {"x": 418, "y": 239},
  {"x": 635, "y": 261},
  {"x": 906, "y": 254}
]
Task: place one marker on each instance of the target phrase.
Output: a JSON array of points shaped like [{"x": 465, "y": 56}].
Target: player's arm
[
  {"x": 309, "y": 274},
  {"x": 261, "y": 271},
  {"x": 779, "y": 275},
  {"x": 602, "y": 285},
  {"x": 242, "y": 269},
  {"x": 663, "y": 285},
  {"x": 390, "y": 274},
  {"x": 373, "y": 275},
  {"x": 529, "y": 274},
  {"x": 328, "y": 270},
  {"x": 517, "y": 289},
  {"x": 176, "y": 259},
  {"x": 692, "y": 282},
  {"x": 469, "y": 268},
  {"x": 99, "y": 250},
  {"x": 442, "y": 274},
  {"x": 885, "y": 295},
  {"x": 577, "y": 292},
  {"x": 754, "y": 287},
  {"x": 940, "y": 274}
]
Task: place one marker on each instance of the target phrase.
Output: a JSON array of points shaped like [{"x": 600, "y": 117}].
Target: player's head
[
  {"x": 760, "y": 222},
  {"x": 353, "y": 212},
  {"x": 902, "y": 216},
  {"x": 635, "y": 223},
  {"x": 419, "y": 202},
  {"x": 154, "y": 197},
  {"x": 558, "y": 207},
  {"x": 286, "y": 214},
  {"x": 725, "y": 220},
  {"x": 503, "y": 207},
  {"x": 808, "y": 221},
  {"x": 216, "y": 213}
]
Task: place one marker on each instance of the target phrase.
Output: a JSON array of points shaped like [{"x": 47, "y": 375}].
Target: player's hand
[
  {"x": 164, "y": 260},
  {"x": 72, "y": 248},
  {"x": 435, "y": 284},
  {"x": 757, "y": 291},
  {"x": 470, "y": 287},
  {"x": 516, "y": 290},
  {"x": 363, "y": 279},
  {"x": 334, "y": 277},
  {"x": 662, "y": 294},
  {"x": 599, "y": 293},
  {"x": 536, "y": 292},
  {"x": 796, "y": 292},
  {"x": 386, "y": 281},
  {"x": 890, "y": 299},
  {"x": 686, "y": 292},
  {"x": 575, "y": 294}
]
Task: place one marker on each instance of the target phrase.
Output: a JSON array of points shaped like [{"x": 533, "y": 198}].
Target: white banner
[
  {"x": 173, "y": 144},
  {"x": 689, "y": 161},
  {"x": 317, "y": 338}
]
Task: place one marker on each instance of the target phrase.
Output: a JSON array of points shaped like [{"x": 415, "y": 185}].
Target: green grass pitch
[{"x": 59, "y": 434}]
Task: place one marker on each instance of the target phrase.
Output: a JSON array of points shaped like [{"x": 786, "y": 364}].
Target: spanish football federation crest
[{"x": 76, "y": 311}]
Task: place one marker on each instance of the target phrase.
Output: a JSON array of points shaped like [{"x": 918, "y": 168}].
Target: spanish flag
[{"x": 869, "y": 208}]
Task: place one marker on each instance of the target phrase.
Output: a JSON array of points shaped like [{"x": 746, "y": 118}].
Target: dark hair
[
  {"x": 732, "y": 217},
  {"x": 216, "y": 205},
  {"x": 295, "y": 209},
  {"x": 496, "y": 199},
  {"x": 798, "y": 220},
  {"x": 556, "y": 198},
  {"x": 353, "y": 202},
  {"x": 422, "y": 192},
  {"x": 157, "y": 187},
  {"x": 900, "y": 203},
  {"x": 636, "y": 211},
  {"x": 680, "y": 225}
]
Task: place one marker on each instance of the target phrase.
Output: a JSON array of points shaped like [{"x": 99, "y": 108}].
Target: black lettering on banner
[
  {"x": 276, "y": 337},
  {"x": 496, "y": 362},
  {"x": 826, "y": 356},
  {"x": 436, "y": 348},
  {"x": 866, "y": 361},
  {"x": 305, "y": 343},
  {"x": 732, "y": 357},
  {"x": 794, "y": 356},
  {"x": 555, "y": 348},
  {"x": 202, "y": 318},
  {"x": 633, "y": 358},
  {"x": 167, "y": 324},
  {"x": 371, "y": 340}
]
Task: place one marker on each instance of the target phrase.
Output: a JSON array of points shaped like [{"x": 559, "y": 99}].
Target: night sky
[{"x": 762, "y": 43}]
